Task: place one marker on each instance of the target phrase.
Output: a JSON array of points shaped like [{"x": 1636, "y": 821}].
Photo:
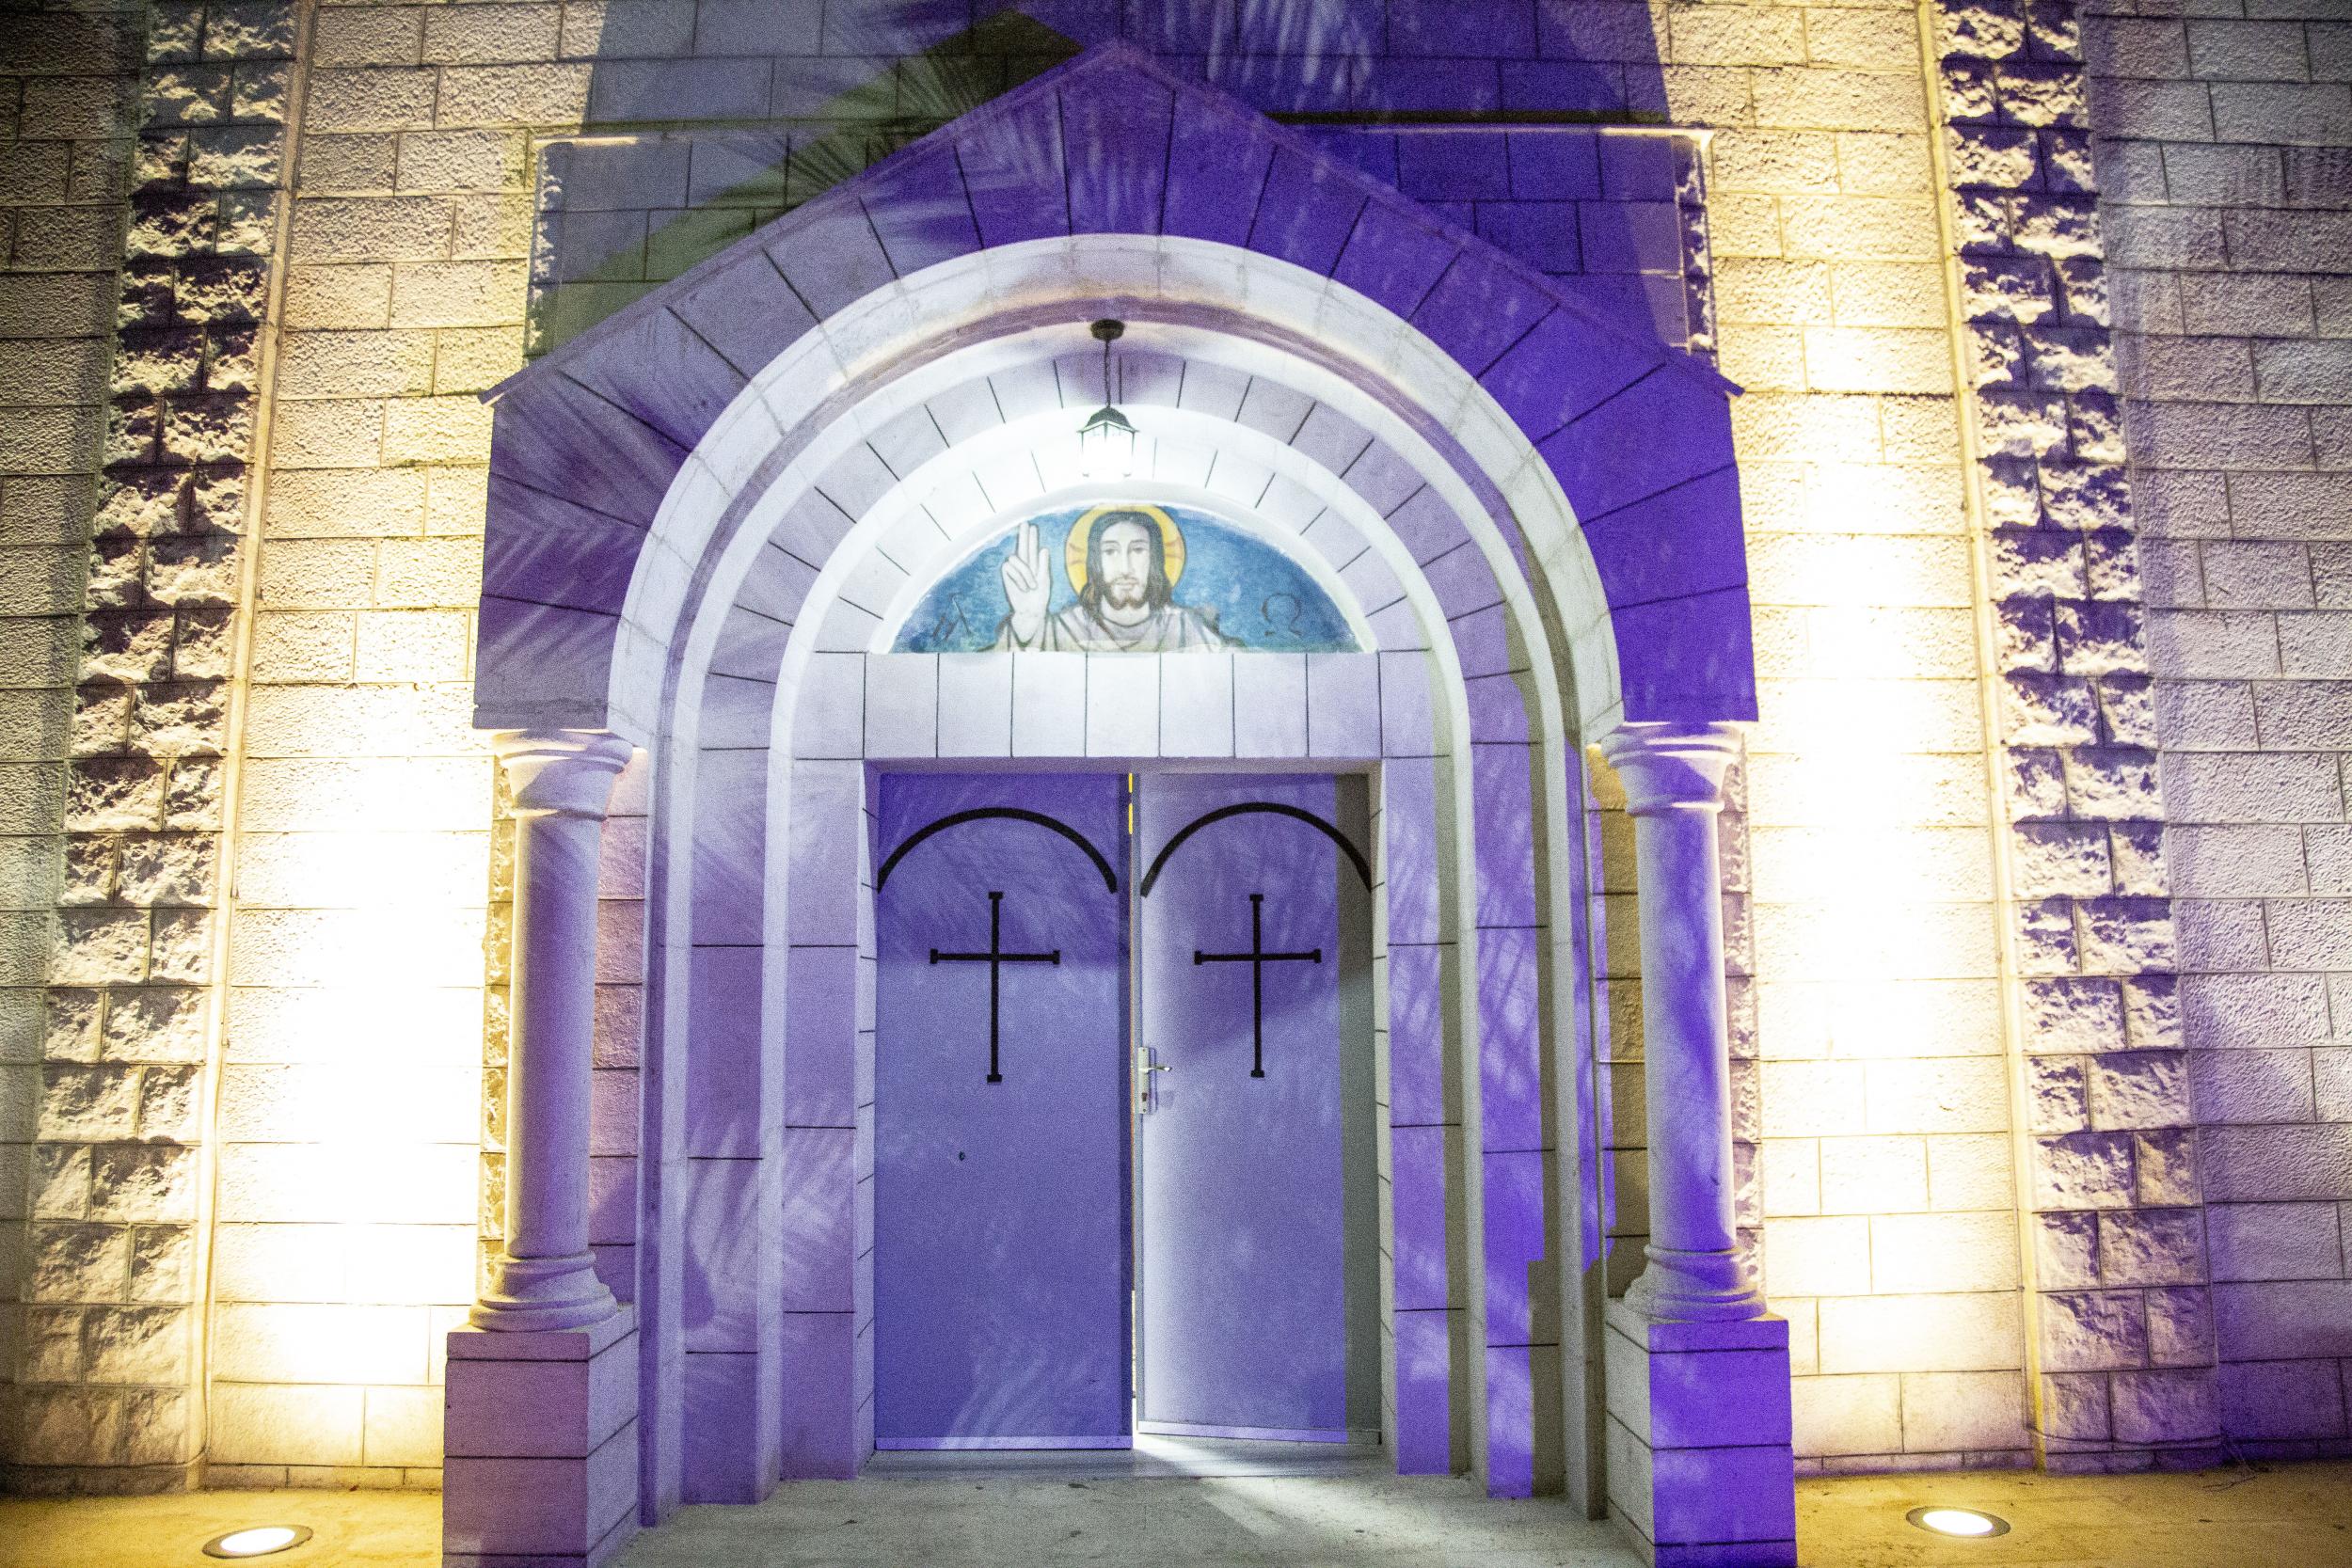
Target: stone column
[
  {"x": 1673, "y": 783},
  {"x": 561, "y": 781},
  {"x": 542, "y": 1392},
  {"x": 1700, "y": 1467}
]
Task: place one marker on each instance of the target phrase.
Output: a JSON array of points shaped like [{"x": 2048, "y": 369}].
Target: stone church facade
[{"x": 1853, "y": 502}]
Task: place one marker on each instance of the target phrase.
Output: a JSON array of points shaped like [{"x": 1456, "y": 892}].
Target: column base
[
  {"x": 540, "y": 1446},
  {"x": 1700, "y": 1470},
  {"x": 1693, "y": 1287},
  {"x": 535, "y": 1295}
]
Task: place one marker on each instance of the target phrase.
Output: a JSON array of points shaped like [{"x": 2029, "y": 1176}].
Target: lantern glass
[{"x": 1107, "y": 445}]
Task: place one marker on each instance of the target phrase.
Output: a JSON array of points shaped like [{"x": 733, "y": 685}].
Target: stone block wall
[
  {"x": 2225, "y": 165},
  {"x": 1890, "y": 1103},
  {"x": 2118, "y": 1311},
  {"x": 164, "y": 636},
  {"x": 1863, "y": 896},
  {"x": 365, "y": 959},
  {"x": 120, "y": 1175},
  {"x": 408, "y": 273},
  {"x": 68, "y": 106}
]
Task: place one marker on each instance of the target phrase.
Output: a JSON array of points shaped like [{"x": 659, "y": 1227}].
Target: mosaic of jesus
[
  {"x": 1123, "y": 563},
  {"x": 1126, "y": 577}
]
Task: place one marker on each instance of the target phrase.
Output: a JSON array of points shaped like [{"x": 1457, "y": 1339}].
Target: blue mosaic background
[{"x": 1260, "y": 598}]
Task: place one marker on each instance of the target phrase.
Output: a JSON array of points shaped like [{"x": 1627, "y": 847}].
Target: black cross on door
[
  {"x": 995, "y": 958},
  {"x": 1257, "y": 959}
]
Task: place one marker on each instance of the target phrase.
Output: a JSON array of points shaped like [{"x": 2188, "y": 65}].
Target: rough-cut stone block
[
  {"x": 2053, "y": 858},
  {"x": 77, "y": 1263},
  {"x": 2047, "y": 708},
  {"x": 2066, "y": 1251},
  {"x": 2152, "y": 1246},
  {"x": 2083, "y": 1171},
  {"x": 146, "y": 1185},
  {"x": 2142, "y": 1089},
  {"x": 154, "y": 1025}
]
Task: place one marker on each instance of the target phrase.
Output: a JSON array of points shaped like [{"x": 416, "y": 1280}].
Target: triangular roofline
[{"x": 1106, "y": 58}]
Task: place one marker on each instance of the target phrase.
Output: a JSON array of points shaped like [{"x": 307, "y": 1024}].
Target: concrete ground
[{"x": 2294, "y": 1516}]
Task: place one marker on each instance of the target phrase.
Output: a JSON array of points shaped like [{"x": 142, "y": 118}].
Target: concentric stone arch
[{"x": 1609, "y": 447}]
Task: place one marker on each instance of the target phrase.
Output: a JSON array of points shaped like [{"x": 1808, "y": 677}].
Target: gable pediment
[{"x": 1112, "y": 143}]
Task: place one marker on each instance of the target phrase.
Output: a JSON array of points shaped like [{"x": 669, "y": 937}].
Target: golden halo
[{"x": 1074, "y": 552}]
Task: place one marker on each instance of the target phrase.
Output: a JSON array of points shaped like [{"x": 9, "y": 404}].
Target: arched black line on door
[
  {"x": 1250, "y": 808},
  {"x": 978, "y": 814}
]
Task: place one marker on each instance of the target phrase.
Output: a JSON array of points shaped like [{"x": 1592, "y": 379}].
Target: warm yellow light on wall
[{"x": 1868, "y": 817}]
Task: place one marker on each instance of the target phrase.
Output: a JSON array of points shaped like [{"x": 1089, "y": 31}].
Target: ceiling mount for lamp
[{"x": 1106, "y": 442}]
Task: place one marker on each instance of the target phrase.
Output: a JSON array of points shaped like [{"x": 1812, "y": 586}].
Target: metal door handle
[{"x": 1145, "y": 1067}]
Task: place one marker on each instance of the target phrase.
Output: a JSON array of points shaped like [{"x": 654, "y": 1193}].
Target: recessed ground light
[
  {"x": 1965, "y": 1522},
  {"x": 257, "y": 1541}
]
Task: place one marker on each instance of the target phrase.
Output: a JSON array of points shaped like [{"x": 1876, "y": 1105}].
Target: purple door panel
[
  {"x": 1255, "y": 1195},
  {"x": 1001, "y": 1241}
]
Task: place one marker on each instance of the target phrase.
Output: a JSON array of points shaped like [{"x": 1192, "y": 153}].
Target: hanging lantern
[{"x": 1106, "y": 442}]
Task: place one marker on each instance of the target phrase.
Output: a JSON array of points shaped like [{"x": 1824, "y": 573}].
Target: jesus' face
[{"x": 1125, "y": 554}]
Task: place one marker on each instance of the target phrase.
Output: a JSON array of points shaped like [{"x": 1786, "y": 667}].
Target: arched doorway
[
  {"x": 705, "y": 512},
  {"x": 1400, "y": 710}
]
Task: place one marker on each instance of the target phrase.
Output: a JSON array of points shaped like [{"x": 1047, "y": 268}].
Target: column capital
[
  {"x": 560, "y": 772},
  {"x": 1665, "y": 766}
]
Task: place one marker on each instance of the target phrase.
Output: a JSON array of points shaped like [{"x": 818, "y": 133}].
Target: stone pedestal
[
  {"x": 1700, "y": 1471},
  {"x": 540, "y": 1437}
]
